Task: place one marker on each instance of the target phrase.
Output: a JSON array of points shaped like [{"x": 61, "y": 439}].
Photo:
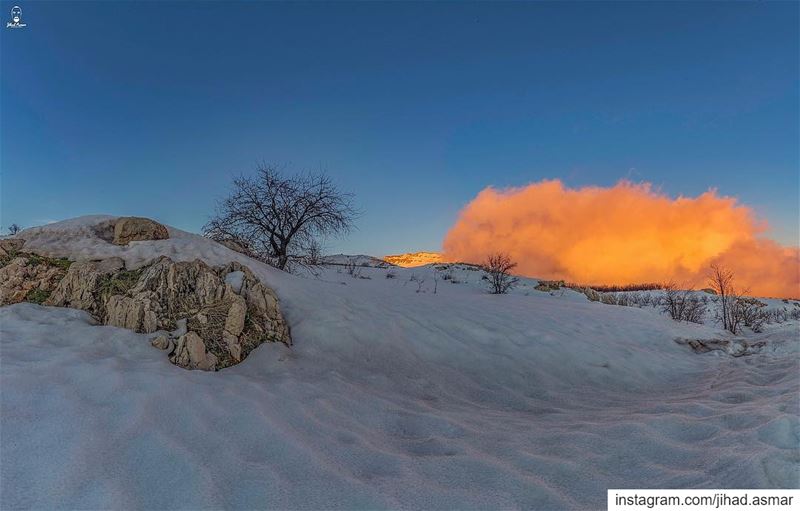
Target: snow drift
[{"x": 389, "y": 398}]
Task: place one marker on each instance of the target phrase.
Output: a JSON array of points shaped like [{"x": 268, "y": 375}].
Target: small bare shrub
[
  {"x": 778, "y": 315},
  {"x": 549, "y": 285},
  {"x": 497, "y": 268},
  {"x": 590, "y": 293},
  {"x": 639, "y": 299},
  {"x": 608, "y": 299},
  {"x": 623, "y": 299},
  {"x": 730, "y": 312},
  {"x": 312, "y": 253},
  {"x": 751, "y": 313},
  {"x": 352, "y": 269},
  {"x": 682, "y": 305},
  {"x": 616, "y": 288}
]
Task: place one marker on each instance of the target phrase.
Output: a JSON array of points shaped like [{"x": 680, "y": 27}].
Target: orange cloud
[{"x": 627, "y": 233}]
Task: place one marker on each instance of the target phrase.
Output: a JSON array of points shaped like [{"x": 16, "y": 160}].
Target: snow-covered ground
[
  {"x": 392, "y": 396},
  {"x": 358, "y": 260}
]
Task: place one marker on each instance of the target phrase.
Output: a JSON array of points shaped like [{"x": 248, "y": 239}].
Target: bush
[
  {"x": 497, "y": 268},
  {"x": 353, "y": 270},
  {"x": 608, "y": 299},
  {"x": 682, "y": 305},
  {"x": 751, "y": 313},
  {"x": 721, "y": 282},
  {"x": 640, "y": 299},
  {"x": 590, "y": 293},
  {"x": 549, "y": 285},
  {"x": 616, "y": 288}
]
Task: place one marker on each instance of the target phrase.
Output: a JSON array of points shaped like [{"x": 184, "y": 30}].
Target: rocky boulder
[
  {"x": 29, "y": 277},
  {"x": 138, "y": 314},
  {"x": 132, "y": 228},
  {"x": 225, "y": 310},
  {"x": 209, "y": 317},
  {"x": 229, "y": 309},
  {"x": 85, "y": 283},
  {"x": 733, "y": 347},
  {"x": 191, "y": 352},
  {"x": 236, "y": 247},
  {"x": 10, "y": 246}
]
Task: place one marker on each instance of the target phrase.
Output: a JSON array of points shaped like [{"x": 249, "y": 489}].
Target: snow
[
  {"x": 358, "y": 260},
  {"x": 392, "y": 396},
  {"x": 235, "y": 279}
]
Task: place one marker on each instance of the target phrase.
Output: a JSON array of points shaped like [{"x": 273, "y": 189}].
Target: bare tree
[
  {"x": 497, "y": 268},
  {"x": 14, "y": 229},
  {"x": 721, "y": 281},
  {"x": 276, "y": 216}
]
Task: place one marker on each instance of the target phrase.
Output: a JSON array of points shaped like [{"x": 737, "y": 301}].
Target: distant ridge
[
  {"x": 414, "y": 259},
  {"x": 357, "y": 259}
]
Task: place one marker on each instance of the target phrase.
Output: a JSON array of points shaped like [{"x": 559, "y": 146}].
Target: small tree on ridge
[
  {"x": 497, "y": 268},
  {"x": 277, "y": 217}
]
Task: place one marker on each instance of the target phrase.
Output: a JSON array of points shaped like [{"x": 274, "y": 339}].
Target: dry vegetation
[
  {"x": 498, "y": 267},
  {"x": 731, "y": 309},
  {"x": 616, "y": 288}
]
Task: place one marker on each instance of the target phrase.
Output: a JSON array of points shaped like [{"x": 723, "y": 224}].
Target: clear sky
[{"x": 150, "y": 108}]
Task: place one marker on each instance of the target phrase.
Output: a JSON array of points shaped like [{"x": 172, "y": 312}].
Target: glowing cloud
[{"x": 627, "y": 233}]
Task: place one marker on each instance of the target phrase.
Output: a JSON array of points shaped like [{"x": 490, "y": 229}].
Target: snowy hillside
[
  {"x": 404, "y": 388},
  {"x": 358, "y": 260}
]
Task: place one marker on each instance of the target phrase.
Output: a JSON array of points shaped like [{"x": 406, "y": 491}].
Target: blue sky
[{"x": 150, "y": 108}]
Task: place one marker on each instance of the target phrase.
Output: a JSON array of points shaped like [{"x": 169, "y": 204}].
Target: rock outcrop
[
  {"x": 134, "y": 228},
  {"x": 215, "y": 315},
  {"x": 137, "y": 314},
  {"x": 27, "y": 277},
  {"x": 85, "y": 283},
  {"x": 10, "y": 246},
  {"x": 733, "y": 347},
  {"x": 236, "y": 247}
]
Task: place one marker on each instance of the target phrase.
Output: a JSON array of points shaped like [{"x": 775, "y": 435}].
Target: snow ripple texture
[{"x": 389, "y": 398}]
